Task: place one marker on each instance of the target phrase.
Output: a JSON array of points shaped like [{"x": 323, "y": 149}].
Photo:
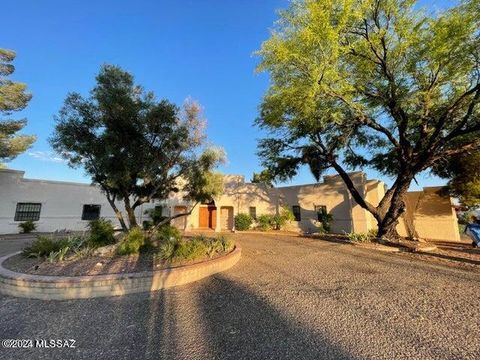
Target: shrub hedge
[{"x": 243, "y": 222}]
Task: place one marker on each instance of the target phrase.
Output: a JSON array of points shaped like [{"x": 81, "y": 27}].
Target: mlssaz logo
[{"x": 58, "y": 343}]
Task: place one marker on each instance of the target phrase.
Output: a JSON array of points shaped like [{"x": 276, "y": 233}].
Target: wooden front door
[{"x": 208, "y": 217}]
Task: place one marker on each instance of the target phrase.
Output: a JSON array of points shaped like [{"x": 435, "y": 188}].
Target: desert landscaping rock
[
  {"x": 287, "y": 298},
  {"x": 106, "y": 250}
]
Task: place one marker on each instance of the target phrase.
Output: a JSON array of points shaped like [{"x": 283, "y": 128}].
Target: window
[
  {"x": 321, "y": 211},
  {"x": 296, "y": 212},
  {"x": 91, "y": 212},
  {"x": 252, "y": 210},
  {"x": 28, "y": 211}
]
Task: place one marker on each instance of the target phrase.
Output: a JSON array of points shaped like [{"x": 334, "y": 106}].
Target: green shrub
[
  {"x": 43, "y": 246},
  {"x": 372, "y": 234},
  {"x": 147, "y": 224},
  {"x": 283, "y": 218},
  {"x": 59, "y": 255},
  {"x": 27, "y": 227},
  {"x": 101, "y": 233},
  {"x": 243, "y": 222},
  {"x": 58, "y": 249},
  {"x": 194, "y": 248},
  {"x": 265, "y": 222},
  {"x": 132, "y": 242},
  {"x": 166, "y": 250},
  {"x": 168, "y": 233},
  {"x": 84, "y": 251},
  {"x": 358, "y": 237},
  {"x": 226, "y": 244},
  {"x": 213, "y": 246},
  {"x": 190, "y": 249},
  {"x": 324, "y": 220}
]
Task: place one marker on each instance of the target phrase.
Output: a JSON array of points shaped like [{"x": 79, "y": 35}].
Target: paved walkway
[
  {"x": 16, "y": 242},
  {"x": 287, "y": 298}
]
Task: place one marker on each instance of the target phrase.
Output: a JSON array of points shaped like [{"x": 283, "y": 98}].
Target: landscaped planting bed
[{"x": 99, "y": 252}]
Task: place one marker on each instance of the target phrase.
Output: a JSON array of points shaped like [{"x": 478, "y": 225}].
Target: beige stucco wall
[
  {"x": 432, "y": 215},
  {"x": 331, "y": 193}
]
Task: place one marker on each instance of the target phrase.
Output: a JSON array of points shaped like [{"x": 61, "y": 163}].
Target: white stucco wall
[{"x": 62, "y": 202}]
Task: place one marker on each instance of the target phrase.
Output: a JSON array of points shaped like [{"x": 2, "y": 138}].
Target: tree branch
[{"x": 170, "y": 218}]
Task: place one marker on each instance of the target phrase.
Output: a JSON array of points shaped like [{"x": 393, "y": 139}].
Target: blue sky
[{"x": 201, "y": 49}]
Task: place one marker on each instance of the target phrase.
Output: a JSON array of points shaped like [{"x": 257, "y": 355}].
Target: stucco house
[{"x": 56, "y": 205}]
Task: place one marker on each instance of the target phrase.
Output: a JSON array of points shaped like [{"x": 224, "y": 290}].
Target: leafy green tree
[
  {"x": 284, "y": 217},
  {"x": 13, "y": 97},
  {"x": 371, "y": 83},
  {"x": 135, "y": 147},
  {"x": 463, "y": 172},
  {"x": 263, "y": 177}
]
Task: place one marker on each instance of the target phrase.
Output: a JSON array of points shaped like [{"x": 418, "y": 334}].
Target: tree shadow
[
  {"x": 239, "y": 324},
  {"x": 449, "y": 257}
]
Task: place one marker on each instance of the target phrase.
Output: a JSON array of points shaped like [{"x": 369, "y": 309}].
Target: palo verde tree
[
  {"x": 13, "y": 97},
  {"x": 135, "y": 147},
  {"x": 371, "y": 83}
]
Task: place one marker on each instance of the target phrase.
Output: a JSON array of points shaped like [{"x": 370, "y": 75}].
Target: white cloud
[{"x": 46, "y": 156}]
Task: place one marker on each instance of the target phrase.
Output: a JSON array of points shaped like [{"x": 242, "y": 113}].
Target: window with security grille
[
  {"x": 91, "y": 212},
  {"x": 321, "y": 211},
  {"x": 28, "y": 212},
  {"x": 296, "y": 212},
  {"x": 253, "y": 212}
]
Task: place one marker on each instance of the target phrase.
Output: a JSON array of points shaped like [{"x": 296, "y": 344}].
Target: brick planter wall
[{"x": 81, "y": 287}]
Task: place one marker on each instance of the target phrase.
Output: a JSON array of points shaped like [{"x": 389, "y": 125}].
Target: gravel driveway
[{"x": 287, "y": 298}]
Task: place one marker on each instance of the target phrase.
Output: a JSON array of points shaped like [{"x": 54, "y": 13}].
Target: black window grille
[
  {"x": 28, "y": 211},
  {"x": 321, "y": 211},
  {"x": 91, "y": 212},
  {"x": 296, "y": 212}
]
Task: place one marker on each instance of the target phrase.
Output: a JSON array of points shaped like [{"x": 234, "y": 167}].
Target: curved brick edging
[{"x": 82, "y": 287}]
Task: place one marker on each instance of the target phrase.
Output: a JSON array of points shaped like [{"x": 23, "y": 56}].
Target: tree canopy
[
  {"x": 263, "y": 177},
  {"x": 135, "y": 147},
  {"x": 371, "y": 83},
  {"x": 13, "y": 97},
  {"x": 463, "y": 172}
]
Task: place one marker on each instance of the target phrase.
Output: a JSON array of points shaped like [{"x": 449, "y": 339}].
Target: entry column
[{"x": 218, "y": 214}]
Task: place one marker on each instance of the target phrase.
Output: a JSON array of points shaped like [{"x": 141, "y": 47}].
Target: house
[{"x": 56, "y": 205}]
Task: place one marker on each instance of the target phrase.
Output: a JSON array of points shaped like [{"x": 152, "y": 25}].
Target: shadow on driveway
[{"x": 240, "y": 325}]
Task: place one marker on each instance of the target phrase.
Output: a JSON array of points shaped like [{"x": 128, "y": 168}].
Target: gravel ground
[
  {"x": 89, "y": 266},
  {"x": 287, "y": 298}
]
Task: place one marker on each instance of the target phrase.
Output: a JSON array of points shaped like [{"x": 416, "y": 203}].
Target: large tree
[
  {"x": 371, "y": 83},
  {"x": 135, "y": 147},
  {"x": 263, "y": 177},
  {"x": 13, "y": 97},
  {"x": 463, "y": 173}
]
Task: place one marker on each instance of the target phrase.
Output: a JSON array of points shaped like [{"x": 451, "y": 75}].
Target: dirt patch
[{"x": 96, "y": 265}]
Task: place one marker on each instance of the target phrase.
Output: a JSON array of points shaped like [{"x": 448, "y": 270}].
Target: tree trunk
[
  {"x": 132, "y": 220},
  {"x": 118, "y": 213},
  {"x": 388, "y": 228},
  {"x": 388, "y": 220}
]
